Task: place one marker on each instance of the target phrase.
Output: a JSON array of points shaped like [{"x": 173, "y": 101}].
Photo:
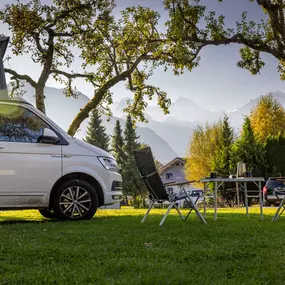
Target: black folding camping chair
[{"x": 157, "y": 190}]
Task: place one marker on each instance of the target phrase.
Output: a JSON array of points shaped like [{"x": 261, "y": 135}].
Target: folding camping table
[{"x": 242, "y": 182}]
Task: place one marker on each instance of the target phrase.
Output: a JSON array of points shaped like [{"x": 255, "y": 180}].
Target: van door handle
[{"x": 2, "y": 146}]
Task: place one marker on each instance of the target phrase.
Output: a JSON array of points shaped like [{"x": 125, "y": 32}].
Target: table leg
[
  {"x": 237, "y": 194},
  {"x": 216, "y": 202},
  {"x": 205, "y": 186},
  {"x": 246, "y": 199},
  {"x": 260, "y": 200}
]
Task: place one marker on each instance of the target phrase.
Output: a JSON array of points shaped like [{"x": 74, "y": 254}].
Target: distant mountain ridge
[
  {"x": 168, "y": 135},
  {"x": 62, "y": 110}
]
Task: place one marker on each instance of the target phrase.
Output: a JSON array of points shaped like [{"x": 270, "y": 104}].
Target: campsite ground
[{"x": 114, "y": 248}]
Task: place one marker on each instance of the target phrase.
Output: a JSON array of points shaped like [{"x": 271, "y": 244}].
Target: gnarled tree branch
[
  {"x": 24, "y": 77},
  {"x": 99, "y": 95}
]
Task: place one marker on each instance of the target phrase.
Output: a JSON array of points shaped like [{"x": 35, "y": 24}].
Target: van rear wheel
[{"x": 75, "y": 200}]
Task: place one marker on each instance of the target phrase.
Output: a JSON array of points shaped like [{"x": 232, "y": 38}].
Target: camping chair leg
[
  {"x": 166, "y": 214},
  {"x": 188, "y": 214},
  {"x": 281, "y": 212},
  {"x": 193, "y": 206},
  {"x": 146, "y": 214},
  {"x": 277, "y": 215},
  {"x": 198, "y": 213},
  {"x": 179, "y": 212}
]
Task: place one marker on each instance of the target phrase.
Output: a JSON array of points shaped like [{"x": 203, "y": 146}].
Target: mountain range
[{"x": 167, "y": 135}]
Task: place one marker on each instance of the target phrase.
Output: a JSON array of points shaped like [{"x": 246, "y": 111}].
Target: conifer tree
[
  {"x": 248, "y": 150},
  {"x": 130, "y": 137},
  {"x": 275, "y": 153},
  {"x": 96, "y": 132},
  {"x": 133, "y": 184},
  {"x": 118, "y": 145},
  {"x": 221, "y": 163}
]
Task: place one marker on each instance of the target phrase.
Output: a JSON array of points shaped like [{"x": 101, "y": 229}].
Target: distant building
[{"x": 173, "y": 172}]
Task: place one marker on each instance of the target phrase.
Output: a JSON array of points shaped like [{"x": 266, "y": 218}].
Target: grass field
[{"x": 114, "y": 248}]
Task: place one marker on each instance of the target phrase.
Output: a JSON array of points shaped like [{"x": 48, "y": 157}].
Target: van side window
[{"x": 18, "y": 124}]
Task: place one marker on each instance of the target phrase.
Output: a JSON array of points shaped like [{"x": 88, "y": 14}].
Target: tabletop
[{"x": 238, "y": 179}]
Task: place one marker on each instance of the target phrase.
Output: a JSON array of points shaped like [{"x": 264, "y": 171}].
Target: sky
[{"x": 217, "y": 84}]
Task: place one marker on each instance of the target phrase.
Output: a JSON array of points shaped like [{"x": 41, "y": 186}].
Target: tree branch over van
[
  {"x": 49, "y": 34},
  {"x": 128, "y": 49},
  {"x": 189, "y": 21}
]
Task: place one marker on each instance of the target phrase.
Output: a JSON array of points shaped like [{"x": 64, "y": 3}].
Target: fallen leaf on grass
[{"x": 148, "y": 245}]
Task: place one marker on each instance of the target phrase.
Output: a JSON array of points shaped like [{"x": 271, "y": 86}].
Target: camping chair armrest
[{"x": 178, "y": 183}]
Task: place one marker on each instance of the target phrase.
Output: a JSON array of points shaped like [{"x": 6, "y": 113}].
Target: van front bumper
[{"x": 115, "y": 194}]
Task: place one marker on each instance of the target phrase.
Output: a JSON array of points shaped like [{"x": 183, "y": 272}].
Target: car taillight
[{"x": 265, "y": 189}]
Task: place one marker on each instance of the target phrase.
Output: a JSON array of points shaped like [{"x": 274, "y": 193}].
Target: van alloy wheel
[
  {"x": 75, "y": 202},
  {"x": 74, "y": 199}
]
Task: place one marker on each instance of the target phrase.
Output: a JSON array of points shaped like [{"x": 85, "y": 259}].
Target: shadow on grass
[
  {"x": 133, "y": 216},
  {"x": 7, "y": 220}
]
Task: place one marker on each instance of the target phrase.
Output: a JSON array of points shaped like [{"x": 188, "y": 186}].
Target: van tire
[
  {"x": 65, "y": 203},
  {"x": 46, "y": 213}
]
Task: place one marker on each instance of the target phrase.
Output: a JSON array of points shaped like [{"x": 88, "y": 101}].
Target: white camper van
[{"x": 42, "y": 167}]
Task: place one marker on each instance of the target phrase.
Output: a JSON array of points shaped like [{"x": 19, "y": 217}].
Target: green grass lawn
[{"x": 114, "y": 248}]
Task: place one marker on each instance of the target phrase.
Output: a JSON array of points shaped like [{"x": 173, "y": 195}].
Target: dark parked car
[{"x": 271, "y": 185}]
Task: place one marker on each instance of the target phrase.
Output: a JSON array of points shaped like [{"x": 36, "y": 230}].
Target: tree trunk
[
  {"x": 99, "y": 96},
  {"x": 40, "y": 98}
]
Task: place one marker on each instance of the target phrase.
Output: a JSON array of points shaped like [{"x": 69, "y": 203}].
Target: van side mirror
[{"x": 48, "y": 137}]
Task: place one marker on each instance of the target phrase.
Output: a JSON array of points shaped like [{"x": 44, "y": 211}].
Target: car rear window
[{"x": 275, "y": 183}]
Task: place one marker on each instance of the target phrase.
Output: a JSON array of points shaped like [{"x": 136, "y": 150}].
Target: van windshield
[{"x": 3, "y": 86}]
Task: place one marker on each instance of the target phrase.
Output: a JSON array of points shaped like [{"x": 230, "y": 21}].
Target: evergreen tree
[
  {"x": 221, "y": 163},
  {"x": 96, "y": 132},
  {"x": 118, "y": 145},
  {"x": 275, "y": 153},
  {"x": 248, "y": 150},
  {"x": 130, "y": 137},
  {"x": 133, "y": 184}
]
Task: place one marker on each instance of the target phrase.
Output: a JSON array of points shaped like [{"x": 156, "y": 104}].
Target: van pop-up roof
[{"x": 3, "y": 86}]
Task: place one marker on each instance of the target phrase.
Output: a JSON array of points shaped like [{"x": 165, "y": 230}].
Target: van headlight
[{"x": 109, "y": 163}]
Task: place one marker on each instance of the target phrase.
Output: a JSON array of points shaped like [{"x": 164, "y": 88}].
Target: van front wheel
[
  {"x": 47, "y": 213},
  {"x": 75, "y": 200}
]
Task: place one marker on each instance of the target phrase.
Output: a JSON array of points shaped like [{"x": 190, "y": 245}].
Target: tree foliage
[
  {"x": 221, "y": 161},
  {"x": 118, "y": 145},
  {"x": 133, "y": 184},
  {"x": 202, "y": 150},
  {"x": 130, "y": 137},
  {"x": 96, "y": 132},
  {"x": 275, "y": 153},
  {"x": 158, "y": 164},
  {"x": 268, "y": 118},
  {"x": 48, "y": 33},
  {"x": 248, "y": 150},
  {"x": 190, "y": 22},
  {"x": 128, "y": 49}
]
